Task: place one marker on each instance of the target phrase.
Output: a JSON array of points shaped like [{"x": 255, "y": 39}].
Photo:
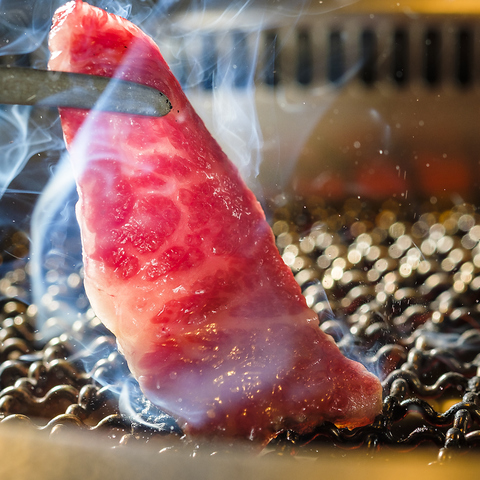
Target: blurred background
[{"x": 356, "y": 124}]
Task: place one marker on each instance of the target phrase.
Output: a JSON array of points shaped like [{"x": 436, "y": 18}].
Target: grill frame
[{"x": 435, "y": 50}]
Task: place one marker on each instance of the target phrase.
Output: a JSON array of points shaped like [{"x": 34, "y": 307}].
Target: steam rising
[
  {"x": 215, "y": 53},
  {"x": 20, "y": 139},
  {"x": 215, "y": 50},
  {"x": 24, "y": 25}
]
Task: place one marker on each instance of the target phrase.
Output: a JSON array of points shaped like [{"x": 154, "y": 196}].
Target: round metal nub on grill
[{"x": 409, "y": 330}]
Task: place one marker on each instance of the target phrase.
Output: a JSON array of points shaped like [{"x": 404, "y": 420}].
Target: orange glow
[{"x": 422, "y": 6}]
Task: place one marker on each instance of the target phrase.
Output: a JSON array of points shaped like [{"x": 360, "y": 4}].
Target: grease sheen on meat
[{"x": 181, "y": 265}]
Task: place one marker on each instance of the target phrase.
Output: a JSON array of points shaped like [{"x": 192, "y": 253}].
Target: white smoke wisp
[
  {"x": 20, "y": 139},
  {"x": 24, "y": 132},
  {"x": 52, "y": 259},
  {"x": 30, "y": 138},
  {"x": 24, "y": 25},
  {"x": 215, "y": 49},
  {"x": 215, "y": 54},
  {"x": 221, "y": 53}
]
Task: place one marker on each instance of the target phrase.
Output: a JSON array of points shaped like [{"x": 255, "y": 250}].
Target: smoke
[
  {"x": 20, "y": 138},
  {"x": 24, "y": 25},
  {"x": 226, "y": 56},
  {"x": 213, "y": 51},
  {"x": 25, "y": 132},
  {"x": 56, "y": 253},
  {"x": 219, "y": 50},
  {"x": 223, "y": 54}
]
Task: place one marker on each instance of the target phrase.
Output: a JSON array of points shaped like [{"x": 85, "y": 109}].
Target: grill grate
[
  {"x": 405, "y": 291},
  {"x": 405, "y": 308}
]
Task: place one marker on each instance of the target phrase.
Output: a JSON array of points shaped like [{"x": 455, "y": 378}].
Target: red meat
[{"x": 181, "y": 265}]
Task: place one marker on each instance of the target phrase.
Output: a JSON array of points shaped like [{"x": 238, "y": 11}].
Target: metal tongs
[{"x": 28, "y": 86}]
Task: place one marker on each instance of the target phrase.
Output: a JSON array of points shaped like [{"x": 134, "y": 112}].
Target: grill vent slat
[
  {"x": 305, "y": 58},
  {"x": 336, "y": 57},
  {"x": 464, "y": 57},
  {"x": 400, "y": 57},
  {"x": 432, "y": 57},
  {"x": 271, "y": 72},
  {"x": 242, "y": 62},
  {"x": 208, "y": 62},
  {"x": 368, "y": 45}
]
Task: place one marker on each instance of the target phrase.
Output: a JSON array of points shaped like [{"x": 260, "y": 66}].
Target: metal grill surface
[{"x": 397, "y": 288}]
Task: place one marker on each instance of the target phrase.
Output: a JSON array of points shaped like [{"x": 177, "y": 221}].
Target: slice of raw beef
[{"x": 181, "y": 265}]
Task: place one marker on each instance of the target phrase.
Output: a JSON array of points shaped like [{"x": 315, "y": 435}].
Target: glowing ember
[{"x": 181, "y": 265}]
